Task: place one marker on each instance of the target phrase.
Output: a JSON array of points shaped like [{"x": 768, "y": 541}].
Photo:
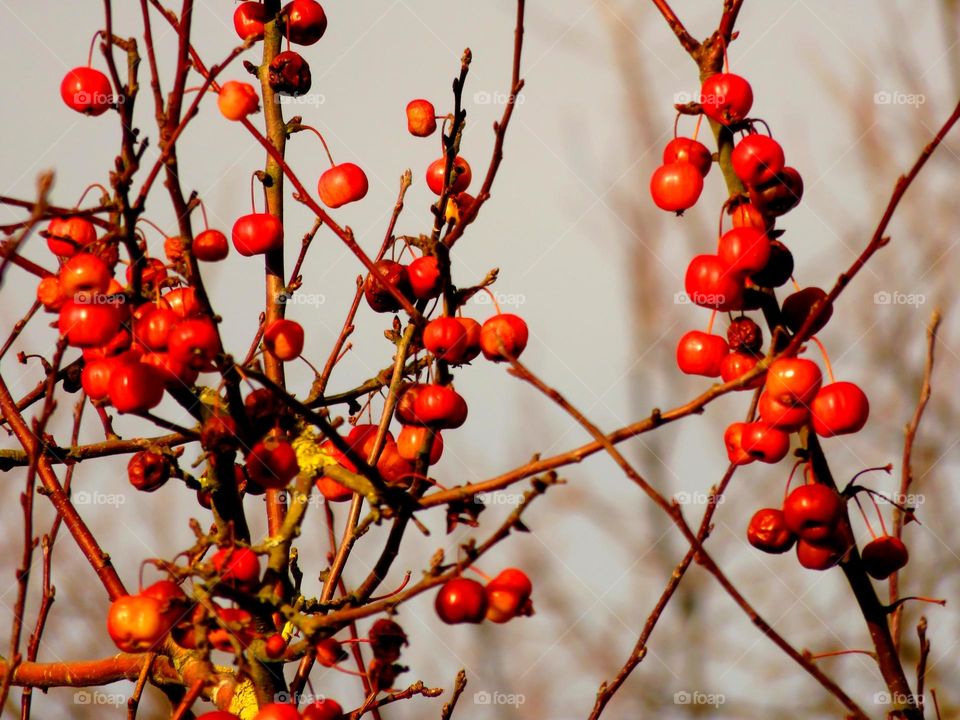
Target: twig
[
  {"x": 460, "y": 684},
  {"x": 906, "y": 471}
]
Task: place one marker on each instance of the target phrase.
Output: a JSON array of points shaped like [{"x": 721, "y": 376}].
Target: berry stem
[
  {"x": 93, "y": 40},
  {"x": 495, "y": 303},
  {"x": 883, "y": 525},
  {"x": 317, "y": 132},
  {"x": 836, "y": 653},
  {"x": 153, "y": 225},
  {"x": 869, "y": 526},
  {"x": 203, "y": 212},
  {"x": 786, "y": 490},
  {"x": 696, "y": 129},
  {"x": 826, "y": 357},
  {"x": 90, "y": 187},
  {"x": 713, "y": 316},
  {"x": 479, "y": 572}
]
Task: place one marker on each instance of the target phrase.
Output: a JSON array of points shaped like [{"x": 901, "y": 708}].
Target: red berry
[
  {"x": 440, "y": 406},
  {"x": 65, "y": 236},
  {"x": 148, "y": 471},
  {"x": 839, "y": 408},
  {"x": 248, "y": 20},
  {"x": 780, "y": 195},
  {"x": 799, "y": 306},
  {"x": 152, "y": 328},
  {"x": 284, "y": 339},
  {"x": 342, "y": 184},
  {"x": 135, "y": 623},
  {"x": 745, "y": 250},
  {"x": 819, "y": 557},
  {"x": 95, "y": 378},
  {"x": 445, "y": 338},
  {"x": 237, "y": 100},
  {"x": 405, "y": 410},
  {"x": 89, "y": 324},
  {"x": 503, "y": 336},
  {"x": 472, "y": 345},
  {"x": 779, "y": 267},
  {"x": 413, "y": 438},
  {"x": 394, "y": 469},
  {"x": 700, "y": 353},
  {"x": 211, "y": 245},
  {"x": 733, "y": 441},
  {"x": 883, "y": 556},
  {"x": 768, "y": 531},
  {"x": 195, "y": 343},
  {"x": 726, "y": 98},
  {"x": 237, "y": 566},
  {"x": 682, "y": 149},
  {"x": 421, "y": 118},
  {"x": 765, "y": 443},
  {"x": 152, "y": 272},
  {"x": 325, "y": 709},
  {"x": 306, "y": 21},
  {"x": 711, "y": 283},
  {"x": 183, "y": 301},
  {"x": 87, "y": 91},
  {"x": 378, "y": 297},
  {"x": 257, "y": 233},
  {"x": 272, "y": 463},
  {"x": 275, "y": 646},
  {"x": 788, "y": 418},
  {"x": 746, "y": 215},
  {"x": 737, "y": 364},
  {"x": 812, "y": 512},
  {"x": 277, "y": 711},
  {"x": 329, "y": 652},
  {"x": 84, "y": 274},
  {"x": 507, "y": 595},
  {"x": 461, "y": 600},
  {"x": 172, "y": 373},
  {"x": 676, "y": 186},
  {"x": 793, "y": 381},
  {"x": 460, "y": 175},
  {"x": 135, "y": 387},
  {"x": 757, "y": 159},
  {"x": 424, "y": 277}
]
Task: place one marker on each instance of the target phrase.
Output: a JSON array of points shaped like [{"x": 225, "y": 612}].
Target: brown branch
[
  {"x": 906, "y": 471},
  {"x": 90, "y": 673},
  {"x": 44, "y": 183},
  {"x": 687, "y": 40},
  {"x": 459, "y": 685}
]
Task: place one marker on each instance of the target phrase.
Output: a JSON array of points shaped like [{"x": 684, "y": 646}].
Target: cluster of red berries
[
  {"x": 749, "y": 263},
  {"x": 463, "y": 600},
  {"x": 811, "y": 518}
]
